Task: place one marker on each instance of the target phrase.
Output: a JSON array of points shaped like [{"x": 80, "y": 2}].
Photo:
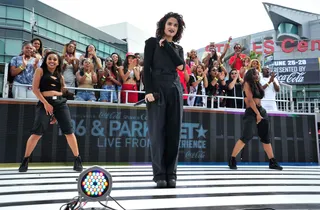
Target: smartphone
[{"x": 81, "y": 73}]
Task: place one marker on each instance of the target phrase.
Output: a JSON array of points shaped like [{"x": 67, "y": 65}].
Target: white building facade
[
  {"x": 134, "y": 36},
  {"x": 291, "y": 49}
]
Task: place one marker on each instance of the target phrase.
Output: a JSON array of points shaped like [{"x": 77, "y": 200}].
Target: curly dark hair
[
  {"x": 255, "y": 86},
  {"x": 162, "y": 23}
]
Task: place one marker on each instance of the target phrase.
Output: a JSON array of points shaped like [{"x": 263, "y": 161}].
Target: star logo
[{"x": 201, "y": 132}]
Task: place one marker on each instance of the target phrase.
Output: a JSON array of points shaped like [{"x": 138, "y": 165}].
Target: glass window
[
  {"x": 100, "y": 54},
  {"x": 60, "y": 39},
  {"x": 74, "y": 35},
  {"x": 94, "y": 42},
  {"x": 122, "y": 55},
  {"x": 2, "y": 21},
  {"x": 81, "y": 38},
  {"x": 8, "y": 59},
  {"x": 67, "y": 32},
  {"x": 51, "y": 26},
  {"x": 26, "y": 26},
  {"x": 59, "y": 29},
  {"x": 288, "y": 28},
  {"x": 26, "y": 15},
  {"x": 42, "y": 22},
  {"x": 2, "y": 11},
  {"x": 88, "y": 40},
  {"x": 51, "y": 35},
  {"x": 1, "y": 58},
  {"x": 42, "y": 32},
  {"x": 112, "y": 50},
  {"x": 14, "y": 22},
  {"x": 1, "y": 46},
  {"x": 101, "y": 47},
  {"x": 81, "y": 47},
  {"x": 15, "y": 13},
  {"x": 117, "y": 51},
  {"x": 107, "y": 49},
  {"x": 13, "y": 47}
]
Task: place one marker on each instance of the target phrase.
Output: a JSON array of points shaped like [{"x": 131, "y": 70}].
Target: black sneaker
[
  {"x": 232, "y": 163},
  {"x": 273, "y": 164},
  {"x": 171, "y": 183},
  {"x": 161, "y": 183},
  {"x": 24, "y": 165},
  {"x": 77, "y": 166}
]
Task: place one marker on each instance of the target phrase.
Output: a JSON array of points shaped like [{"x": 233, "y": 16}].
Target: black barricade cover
[{"x": 120, "y": 134}]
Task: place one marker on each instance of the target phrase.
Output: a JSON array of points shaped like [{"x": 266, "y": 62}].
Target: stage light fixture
[{"x": 94, "y": 184}]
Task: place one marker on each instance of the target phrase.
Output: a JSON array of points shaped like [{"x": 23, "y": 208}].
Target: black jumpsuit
[{"x": 164, "y": 114}]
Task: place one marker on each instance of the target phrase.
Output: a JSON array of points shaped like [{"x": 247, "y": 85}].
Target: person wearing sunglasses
[
  {"x": 236, "y": 61},
  {"x": 108, "y": 79}
]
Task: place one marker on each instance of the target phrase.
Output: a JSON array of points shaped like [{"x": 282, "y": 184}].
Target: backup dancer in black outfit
[
  {"x": 255, "y": 117},
  {"x": 48, "y": 84},
  {"x": 161, "y": 61}
]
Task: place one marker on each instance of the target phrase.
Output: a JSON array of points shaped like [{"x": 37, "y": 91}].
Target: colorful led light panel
[{"x": 94, "y": 184}]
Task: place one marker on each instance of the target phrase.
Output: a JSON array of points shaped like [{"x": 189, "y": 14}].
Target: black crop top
[
  {"x": 49, "y": 82},
  {"x": 256, "y": 92}
]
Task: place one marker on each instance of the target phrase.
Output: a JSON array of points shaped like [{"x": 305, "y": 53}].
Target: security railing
[
  {"x": 308, "y": 106},
  {"x": 287, "y": 102},
  {"x": 284, "y": 98}
]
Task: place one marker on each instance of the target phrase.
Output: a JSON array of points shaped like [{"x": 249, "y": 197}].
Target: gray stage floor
[{"x": 198, "y": 187}]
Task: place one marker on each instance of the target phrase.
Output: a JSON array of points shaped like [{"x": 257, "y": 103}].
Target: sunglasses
[{"x": 109, "y": 60}]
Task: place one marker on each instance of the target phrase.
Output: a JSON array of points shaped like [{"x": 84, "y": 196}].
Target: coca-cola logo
[
  {"x": 110, "y": 115},
  {"x": 294, "y": 77},
  {"x": 195, "y": 155}
]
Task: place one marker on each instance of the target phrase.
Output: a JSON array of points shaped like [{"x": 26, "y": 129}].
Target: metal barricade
[
  {"x": 308, "y": 106},
  {"x": 283, "y": 99},
  {"x": 90, "y": 89}
]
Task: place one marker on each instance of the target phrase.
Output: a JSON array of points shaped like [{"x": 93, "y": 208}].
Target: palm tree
[{"x": 254, "y": 55}]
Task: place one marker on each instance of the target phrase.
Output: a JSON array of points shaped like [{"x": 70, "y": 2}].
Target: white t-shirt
[{"x": 269, "y": 93}]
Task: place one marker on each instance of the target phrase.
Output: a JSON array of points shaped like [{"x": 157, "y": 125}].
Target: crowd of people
[
  {"x": 212, "y": 85},
  {"x": 206, "y": 81},
  {"x": 82, "y": 73}
]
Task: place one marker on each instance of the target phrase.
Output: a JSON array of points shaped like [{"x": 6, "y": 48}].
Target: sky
[{"x": 206, "y": 20}]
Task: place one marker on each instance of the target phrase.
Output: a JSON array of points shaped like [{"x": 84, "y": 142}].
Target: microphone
[{"x": 143, "y": 101}]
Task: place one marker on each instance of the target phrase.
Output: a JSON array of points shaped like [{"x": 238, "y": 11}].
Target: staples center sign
[
  {"x": 302, "y": 46},
  {"x": 268, "y": 46}
]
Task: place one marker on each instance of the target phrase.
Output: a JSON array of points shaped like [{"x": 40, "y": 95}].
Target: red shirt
[
  {"x": 238, "y": 63},
  {"x": 183, "y": 81}
]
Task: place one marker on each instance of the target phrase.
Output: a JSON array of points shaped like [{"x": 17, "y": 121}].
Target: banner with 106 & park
[{"x": 119, "y": 134}]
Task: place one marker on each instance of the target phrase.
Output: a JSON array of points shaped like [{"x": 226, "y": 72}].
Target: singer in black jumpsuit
[{"x": 165, "y": 113}]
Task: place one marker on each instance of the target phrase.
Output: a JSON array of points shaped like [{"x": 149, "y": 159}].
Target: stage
[{"x": 198, "y": 187}]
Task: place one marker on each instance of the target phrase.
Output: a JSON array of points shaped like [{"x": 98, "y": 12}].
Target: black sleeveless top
[
  {"x": 256, "y": 92},
  {"x": 49, "y": 82}
]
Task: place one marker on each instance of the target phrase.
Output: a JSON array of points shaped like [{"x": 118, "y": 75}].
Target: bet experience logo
[{"x": 193, "y": 140}]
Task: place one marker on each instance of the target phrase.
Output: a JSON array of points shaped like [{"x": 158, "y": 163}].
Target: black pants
[
  {"x": 250, "y": 126},
  {"x": 61, "y": 113},
  {"x": 164, "y": 125}
]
